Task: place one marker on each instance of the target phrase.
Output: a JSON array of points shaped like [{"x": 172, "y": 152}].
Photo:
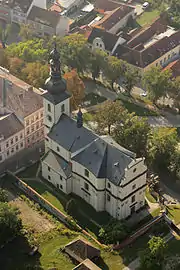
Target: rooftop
[
  {"x": 87, "y": 265},
  {"x": 10, "y": 125}
]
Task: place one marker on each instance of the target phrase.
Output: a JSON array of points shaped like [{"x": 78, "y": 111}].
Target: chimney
[{"x": 79, "y": 118}]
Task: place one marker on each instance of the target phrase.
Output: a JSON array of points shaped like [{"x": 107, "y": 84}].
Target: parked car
[
  {"x": 143, "y": 94},
  {"x": 145, "y": 5}
]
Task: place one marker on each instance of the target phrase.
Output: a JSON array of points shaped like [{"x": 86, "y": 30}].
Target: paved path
[{"x": 23, "y": 158}]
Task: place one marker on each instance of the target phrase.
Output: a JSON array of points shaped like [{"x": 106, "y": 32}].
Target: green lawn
[
  {"x": 174, "y": 213},
  {"x": 149, "y": 196},
  {"x": 140, "y": 111},
  {"x": 147, "y": 17}
]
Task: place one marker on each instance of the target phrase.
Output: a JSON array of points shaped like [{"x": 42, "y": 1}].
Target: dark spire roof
[
  {"x": 55, "y": 84},
  {"x": 79, "y": 118}
]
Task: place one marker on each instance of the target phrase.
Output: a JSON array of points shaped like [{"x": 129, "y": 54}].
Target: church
[{"x": 107, "y": 176}]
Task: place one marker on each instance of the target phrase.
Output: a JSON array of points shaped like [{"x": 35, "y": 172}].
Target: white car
[{"x": 143, "y": 94}]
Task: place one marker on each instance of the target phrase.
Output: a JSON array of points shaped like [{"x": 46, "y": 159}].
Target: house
[
  {"x": 107, "y": 176},
  {"x": 47, "y": 23},
  {"x": 80, "y": 250},
  {"x": 11, "y": 136},
  {"x": 174, "y": 67},
  {"x": 87, "y": 265},
  {"x": 25, "y": 102},
  {"x": 69, "y": 5}
]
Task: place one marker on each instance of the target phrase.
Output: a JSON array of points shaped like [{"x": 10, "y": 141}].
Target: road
[{"x": 23, "y": 158}]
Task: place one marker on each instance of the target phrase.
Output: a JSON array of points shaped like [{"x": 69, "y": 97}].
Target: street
[{"x": 22, "y": 159}]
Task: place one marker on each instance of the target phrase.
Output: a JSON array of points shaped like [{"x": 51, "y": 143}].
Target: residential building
[
  {"x": 97, "y": 169},
  {"x": 174, "y": 67},
  {"x": 25, "y": 102},
  {"x": 47, "y": 23},
  {"x": 11, "y": 136},
  {"x": 68, "y": 5}
]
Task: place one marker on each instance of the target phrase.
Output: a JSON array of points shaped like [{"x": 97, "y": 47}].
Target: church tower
[{"x": 56, "y": 99}]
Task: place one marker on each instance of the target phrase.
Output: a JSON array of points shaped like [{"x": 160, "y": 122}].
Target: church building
[{"x": 106, "y": 175}]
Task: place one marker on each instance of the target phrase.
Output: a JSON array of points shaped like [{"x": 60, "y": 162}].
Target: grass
[
  {"x": 148, "y": 16},
  {"x": 149, "y": 196},
  {"x": 174, "y": 213},
  {"x": 87, "y": 117},
  {"x": 140, "y": 111}
]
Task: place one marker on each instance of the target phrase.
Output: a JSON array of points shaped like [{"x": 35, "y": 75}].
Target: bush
[
  {"x": 113, "y": 232},
  {"x": 3, "y": 195}
]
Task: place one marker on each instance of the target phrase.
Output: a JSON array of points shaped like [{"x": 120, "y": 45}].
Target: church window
[
  {"x": 16, "y": 138},
  {"x": 49, "y": 118},
  {"x": 61, "y": 177},
  {"x": 108, "y": 198},
  {"x": 134, "y": 186},
  {"x": 86, "y": 172},
  {"x": 134, "y": 170},
  {"x": 62, "y": 108},
  {"x": 49, "y": 177},
  {"x": 109, "y": 186},
  {"x": 58, "y": 149},
  {"x": 11, "y": 141},
  {"x": 49, "y": 169},
  {"x": 49, "y": 108},
  {"x": 86, "y": 186},
  {"x": 133, "y": 198},
  {"x": 61, "y": 187}
]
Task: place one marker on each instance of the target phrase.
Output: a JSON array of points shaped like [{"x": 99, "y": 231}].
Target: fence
[
  {"x": 48, "y": 206},
  {"x": 140, "y": 232}
]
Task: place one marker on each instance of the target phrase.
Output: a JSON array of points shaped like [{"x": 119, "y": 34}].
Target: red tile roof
[{"x": 174, "y": 67}]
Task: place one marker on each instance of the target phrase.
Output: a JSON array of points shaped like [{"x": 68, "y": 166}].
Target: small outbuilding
[{"x": 87, "y": 265}]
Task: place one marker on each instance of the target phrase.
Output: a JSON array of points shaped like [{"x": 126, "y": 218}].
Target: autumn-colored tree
[
  {"x": 16, "y": 65},
  {"x": 76, "y": 87},
  {"x": 35, "y": 74}
]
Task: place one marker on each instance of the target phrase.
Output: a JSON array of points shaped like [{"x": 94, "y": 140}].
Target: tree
[
  {"x": 3, "y": 195},
  {"x": 35, "y": 74},
  {"x": 131, "y": 77},
  {"x": 157, "y": 83},
  {"x": 97, "y": 62},
  {"x": 16, "y": 65},
  {"x": 10, "y": 223},
  {"x": 76, "y": 87},
  {"x": 175, "y": 91},
  {"x": 133, "y": 134},
  {"x": 113, "y": 69},
  {"x": 152, "y": 258},
  {"x": 174, "y": 165},
  {"x": 109, "y": 114},
  {"x": 5, "y": 33},
  {"x": 26, "y": 31},
  {"x": 162, "y": 142}
]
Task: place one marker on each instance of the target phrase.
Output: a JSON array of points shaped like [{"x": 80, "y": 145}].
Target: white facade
[{"x": 120, "y": 201}]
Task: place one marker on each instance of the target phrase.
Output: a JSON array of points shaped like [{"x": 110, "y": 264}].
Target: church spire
[{"x": 55, "y": 84}]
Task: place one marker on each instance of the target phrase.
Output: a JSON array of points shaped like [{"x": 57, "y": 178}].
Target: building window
[
  {"x": 133, "y": 198},
  {"x": 49, "y": 118},
  {"x": 7, "y": 144},
  {"x": 62, "y": 108},
  {"x": 61, "y": 187},
  {"x": 27, "y": 122},
  {"x": 16, "y": 138},
  {"x": 108, "y": 198},
  {"x": 58, "y": 149},
  {"x": 100, "y": 45},
  {"x": 86, "y": 172},
  {"x": 41, "y": 114},
  {"x": 12, "y": 150},
  {"x": 61, "y": 177},
  {"x": 49, "y": 108},
  {"x": 49, "y": 169},
  {"x": 8, "y": 153},
  {"x": 27, "y": 130},
  {"x": 11, "y": 141},
  {"x": 86, "y": 186},
  {"x": 21, "y": 145},
  {"x": 37, "y": 116},
  {"x": 109, "y": 186},
  {"x": 21, "y": 136},
  {"x": 134, "y": 170},
  {"x": 32, "y": 129},
  {"x": 37, "y": 125},
  {"x": 17, "y": 147},
  {"x": 97, "y": 44},
  {"x": 134, "y": 186},
  {"x": 49, "y": 177},
  {"x": 28, "y": 140}
]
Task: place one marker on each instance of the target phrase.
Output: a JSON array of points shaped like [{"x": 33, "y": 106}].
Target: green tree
[
  {"x": 16, "y": 65},
  {"x": 5, "y": 33},
  {"x": 152, "y": 258},
  {"x": 133, "y": 134},
  {"x": 10, "y": 223},
  {"x": 162, "y": 143},
  {"x": 174, "y": 165},
  {"x": 26, "y": 32},
  {"x": 3, "y": 195},
  {"x": 97, "y": 62},
  {"x": 109, "y": 114},
  {"x": 175, "y": 91},
  {"x": 35, "y": 74},
  {"x": 113, "y": 69},
  {"x": 131, "y": 77},
  {"x": 157, "y": 83}
]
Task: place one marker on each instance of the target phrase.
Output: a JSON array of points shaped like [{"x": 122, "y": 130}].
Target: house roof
[
  {"x": 108, "y": 38},
  {"x": 69, "y": 136},
  {"x": 174, "y": 67},
  {"x": 55, "y": 7},
  {"x": 106, "y": 5},
  {"x": 113, "y": 17},
  {"x": 87, "y": 265},
  {"x": 20, "y": 97},
  {"x": 55, "y": 99},
  {"x": 23, "y": 5},
  {"x": 105, "y": 160},
  {"x": 44, "y": 16},
  {"x": 10, "y": 125},
  {"x": 80, "y": 249},
  {"x": 57, "y": 163}
]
